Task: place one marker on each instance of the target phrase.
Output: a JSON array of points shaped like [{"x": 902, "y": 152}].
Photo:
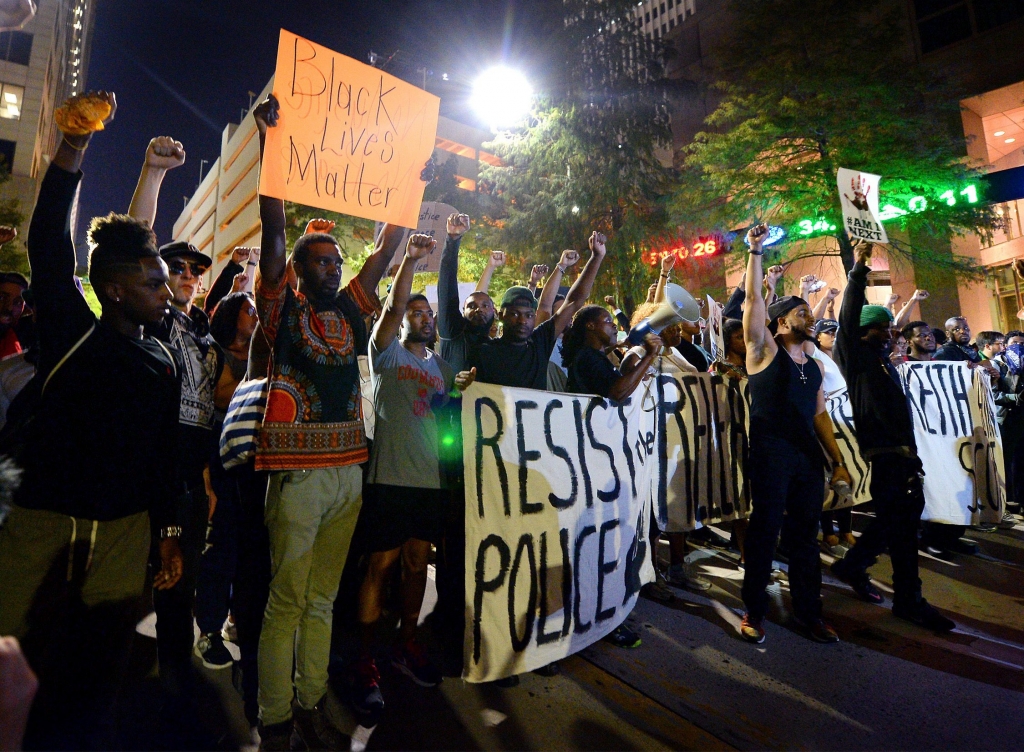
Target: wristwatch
[{"x": 172, "y": 531}]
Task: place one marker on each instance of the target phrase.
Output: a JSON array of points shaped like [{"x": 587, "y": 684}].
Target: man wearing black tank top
[{"x": 788, "y": 429}]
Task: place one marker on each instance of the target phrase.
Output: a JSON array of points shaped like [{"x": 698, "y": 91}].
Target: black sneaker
[
  {"x": 817, "y": 629},
  {"x": 312, "y": 730},
  {"x": 214, "y": 654},
  {"x": 550, "y": 669},
  {"x": 923, "y": 614},
  {"x": 276, "y": 737},
  {"x": 365, "y": 690},
  {"x": 859, "y": 581},
  {"x": 964, "y": 546},
  {"x": 411, "y": 659},
  {"x": 508, "y": 682},
  {"x": 623, "y": 637},
  {"x": 984, "y": 527}
]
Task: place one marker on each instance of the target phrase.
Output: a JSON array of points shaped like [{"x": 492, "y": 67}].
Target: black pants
[
  {"x": 220, "y": 559},
  {"x": 174, "y": 633},
  {"x": 252, "y": 578},
  {"x": 898, "y": 497},
  {"x": 787, "y": 488},
  {"x": 841, "y": 517}
]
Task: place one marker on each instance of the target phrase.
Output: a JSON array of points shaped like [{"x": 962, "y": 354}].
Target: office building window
[
  {"x": 7, "y": 153},
  {"x": 671, "y": 3},
  {"x": 663, "y": 8},
  {"x": 991, "y": 13},
  {"x": 647, "y": 17},
  {"x": 11, "y": 97},
  {"x": 672, "y": 23},
  {"x": 654, "y": 12},
  {"x": 15, "y": 47}
]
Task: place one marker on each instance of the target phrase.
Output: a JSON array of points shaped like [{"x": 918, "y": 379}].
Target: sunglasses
[{"x": 178, "y": 267}]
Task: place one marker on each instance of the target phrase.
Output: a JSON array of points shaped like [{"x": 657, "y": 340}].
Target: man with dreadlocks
[{"x": 584, "y": 343}]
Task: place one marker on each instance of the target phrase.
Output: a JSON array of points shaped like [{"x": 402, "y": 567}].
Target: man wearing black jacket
[
  {"x": 885, "y": 433},
  {"x": 459, "y": 330},
  {"x": 99, "y": 455}
]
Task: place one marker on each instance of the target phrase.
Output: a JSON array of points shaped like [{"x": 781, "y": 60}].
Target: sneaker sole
[
  {"x": 409, "y": 672},
  {"x": 213, "y": 666},
  {"x": 753, "y": 640}
]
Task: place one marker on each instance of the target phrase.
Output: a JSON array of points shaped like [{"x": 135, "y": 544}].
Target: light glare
[{"x": 502, "y": 97}]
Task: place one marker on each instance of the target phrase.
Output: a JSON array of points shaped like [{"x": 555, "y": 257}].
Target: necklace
[{"x": 800, "y": 366}]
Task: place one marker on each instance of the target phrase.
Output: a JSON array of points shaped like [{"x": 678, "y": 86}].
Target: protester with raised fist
[
  {"x": 100, "y": 457},
  {"x": 788, "y": 428},
  {"x": 403, "y": 509},
  {"x": 460, "y": 329},
  {"x": 313, "y": 442},
  {"x": 885, "y": 434}
]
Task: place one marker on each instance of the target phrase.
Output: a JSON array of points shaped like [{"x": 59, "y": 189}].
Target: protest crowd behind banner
[{"x": 246, "y": 460}]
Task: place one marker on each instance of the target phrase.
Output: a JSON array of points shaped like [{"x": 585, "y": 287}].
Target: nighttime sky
[{"x": 183, "y": 68}]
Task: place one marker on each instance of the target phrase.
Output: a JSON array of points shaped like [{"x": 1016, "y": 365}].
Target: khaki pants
[
  {"x": 72, "y": 590},
  {"x": 310, "y": 515},
  {"x": 102, "y": 561}
]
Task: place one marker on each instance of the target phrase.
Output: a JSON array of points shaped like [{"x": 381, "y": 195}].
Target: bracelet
[
  {"x": 250, "y": 263},
  {"x": 752, "y": 252},
  {"x": 76, "y": 148},
  {"x": 663, "y": 274},
  {"x": 173, "y": 531},
  {"x": 560, "y": 269}
]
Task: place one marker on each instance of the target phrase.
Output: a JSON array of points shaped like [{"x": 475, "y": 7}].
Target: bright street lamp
[{"x": 502, "y": 97}]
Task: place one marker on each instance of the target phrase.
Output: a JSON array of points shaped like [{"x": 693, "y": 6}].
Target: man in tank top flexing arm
[{"x": 788, "y": 429}]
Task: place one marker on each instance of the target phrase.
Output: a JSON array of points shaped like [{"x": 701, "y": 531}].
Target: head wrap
[
  {"x": 1013, "y": 356},
  {"x": 875, "y": 315}
]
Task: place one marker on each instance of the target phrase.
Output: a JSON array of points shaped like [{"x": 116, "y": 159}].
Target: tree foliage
[
  {"x": 809, "y": 86},
  {"x": 13, "y": 255},
  {"x": 587, "y": 161}
]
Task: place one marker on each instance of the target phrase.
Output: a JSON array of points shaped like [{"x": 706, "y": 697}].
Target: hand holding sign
[{"x": 351, "y": 138}]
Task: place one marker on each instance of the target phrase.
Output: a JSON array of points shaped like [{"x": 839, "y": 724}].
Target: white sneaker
[
  {"x": 685, "y": 576},
  {"x": 229, "y": 632}
]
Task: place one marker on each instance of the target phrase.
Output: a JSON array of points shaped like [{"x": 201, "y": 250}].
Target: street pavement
[{"x": 694, "y": 684}]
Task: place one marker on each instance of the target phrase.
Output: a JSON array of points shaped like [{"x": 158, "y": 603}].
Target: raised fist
[
  {"x": 318, "y": 225},
  {"x": 756, "y": 236},
  {"x": 458, "y": 225},
  {"x": 7, "y": 234},
  {"x": 832, "y": 293},
  {"x": 570, "y": 258},
  {"x": 919, "y": 295},
  {"x": 241, "y": 254},
  {"x": 892, "y": 299},
  {"x": 164, "y": 153},
  {"x": 609, "y": 300},
  {"x": 538, "y": 273},
  {"x": 771, "y": 279},
  {"x": 267, "y": 114},
  {"x": 420, "y": 246},
  {"x": 668, "y": 263},
  {"x": 597, "y": 243},
  {"x": 239, "y": 282},
  {"x": 496, "y": 259}
]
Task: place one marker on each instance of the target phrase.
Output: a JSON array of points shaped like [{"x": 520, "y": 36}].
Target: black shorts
[{"x": 392, "y": 515}]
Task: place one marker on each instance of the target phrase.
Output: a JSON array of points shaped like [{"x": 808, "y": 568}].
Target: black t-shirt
[
  {"x": 693, "y": 355},
  {"x": 500, "y": 361},
  {"x": 591, "y": 373}
]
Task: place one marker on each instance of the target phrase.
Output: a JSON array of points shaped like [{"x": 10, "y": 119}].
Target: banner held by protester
[
  {"x": 557, "y": 516},
  {"x": 351, "y": 138}
]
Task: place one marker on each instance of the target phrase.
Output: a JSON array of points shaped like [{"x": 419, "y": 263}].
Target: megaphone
[{"x": 678, "y": 306}]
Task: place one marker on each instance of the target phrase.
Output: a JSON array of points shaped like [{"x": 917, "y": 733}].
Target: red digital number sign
[{"x": 704, "y": 247}]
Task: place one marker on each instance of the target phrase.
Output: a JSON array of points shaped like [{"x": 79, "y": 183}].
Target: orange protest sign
[{"x": 350, "y": 138}]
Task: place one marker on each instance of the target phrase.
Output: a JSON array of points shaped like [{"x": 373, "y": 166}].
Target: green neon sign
[{"x": 809, "y": 228}]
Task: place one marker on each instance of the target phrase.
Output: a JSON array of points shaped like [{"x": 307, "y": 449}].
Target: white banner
[
  {"x": 958, "y": 441},
  {"x": 557, "y": 520},
  {"x": 702, "y": 446},
  {"x": 841, "y": 412},
  {"x": 858, "y": 193}
]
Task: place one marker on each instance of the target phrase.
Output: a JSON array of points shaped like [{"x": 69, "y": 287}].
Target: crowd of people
[{"x": 215, "y": 460}]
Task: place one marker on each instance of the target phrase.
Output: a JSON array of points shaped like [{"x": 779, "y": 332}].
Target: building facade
[
  {"x": 40, "y": 66},
  {"x": 972, "y": 42},
  {"x": 658, "y": 17},
  {"x": 223, "y": 213}
]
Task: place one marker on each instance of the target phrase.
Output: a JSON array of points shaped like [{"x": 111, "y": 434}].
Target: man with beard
[
  {"x": 459, "y": 330},
  {"x": 404, "y": 506},
  {"x": 788, "y": 427},
  {"x": 520, "y": 356},
  {"x": 885, "y": 434},
  {"x": 312, "y": 441},
  {"x": 920, "y": 341}
]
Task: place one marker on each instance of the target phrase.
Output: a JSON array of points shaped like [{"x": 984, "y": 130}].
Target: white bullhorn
[{"x": 678, "y": 306}]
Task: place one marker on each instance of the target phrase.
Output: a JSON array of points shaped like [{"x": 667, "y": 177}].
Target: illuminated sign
[
  {"x": 705, "y": 247},
  {"x": 809, "y": 228}
]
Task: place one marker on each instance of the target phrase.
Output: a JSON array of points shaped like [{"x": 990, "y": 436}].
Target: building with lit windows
[
  {"x": 972, "y": 42},
  {"x": 223, "y": 213},
  {"x": 40, "y": 66},
  {"x": 658, "y": 17}
]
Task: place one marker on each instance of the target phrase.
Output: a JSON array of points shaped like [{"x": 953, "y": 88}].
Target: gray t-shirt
[{"x": 405, "y": 441}]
